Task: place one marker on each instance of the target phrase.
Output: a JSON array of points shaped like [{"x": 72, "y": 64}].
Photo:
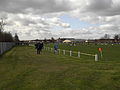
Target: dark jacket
[{"x": 38, "y": 46}]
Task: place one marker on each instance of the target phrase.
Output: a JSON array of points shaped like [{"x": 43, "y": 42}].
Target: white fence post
[
  {"x": 96, "y": 57},
  {"x": 70, "y": 53},
  {"x": 64, "y": 52},
  {"x": 59, "y": 51},
  {"x": 51, "y": 49},
  {"x": 78, "y": 54}
]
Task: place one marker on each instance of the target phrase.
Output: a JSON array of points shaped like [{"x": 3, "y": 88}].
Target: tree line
[
  {"x": 115, "y": 37},
  {"x": 6, "y": 36}
]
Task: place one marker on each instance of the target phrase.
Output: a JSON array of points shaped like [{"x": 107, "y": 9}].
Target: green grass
[
  {"x": 110, "y": 52},
  {"x": 22, "y": 69}
]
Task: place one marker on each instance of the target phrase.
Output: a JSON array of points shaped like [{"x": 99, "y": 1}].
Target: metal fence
[{"x": 4, "y": 46}]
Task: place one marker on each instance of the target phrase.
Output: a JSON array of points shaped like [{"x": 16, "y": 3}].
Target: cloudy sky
[{"x": 39, "y": 19}]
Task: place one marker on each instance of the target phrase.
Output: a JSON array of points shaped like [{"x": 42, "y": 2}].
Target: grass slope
[{"x": 22, "y": 69}]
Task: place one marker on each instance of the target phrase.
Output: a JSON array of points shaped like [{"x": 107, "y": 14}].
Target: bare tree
[
  {"x": 52, "y": 39},
  {"x": 2, "y": 23},
  {"x": 106, "y": 36},
  {"x": 4, "y": 36},
  {"x": 117, "y": 36}
]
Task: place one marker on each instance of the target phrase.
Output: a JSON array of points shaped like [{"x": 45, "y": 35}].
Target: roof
[{"x": 66, "y": 41}]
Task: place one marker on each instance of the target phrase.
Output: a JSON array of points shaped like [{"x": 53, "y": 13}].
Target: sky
[{"x": 80, "y": 19}]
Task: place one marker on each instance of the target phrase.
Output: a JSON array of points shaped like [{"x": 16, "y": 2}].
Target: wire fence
[
  {"x": 72, "y": 53},
  {"x": 5, "y": 46}
]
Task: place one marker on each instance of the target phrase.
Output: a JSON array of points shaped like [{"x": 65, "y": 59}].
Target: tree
[
  {"x": 45, "y": 40},
  {"x": 16, "y": 38},
  {"x": 2, "y": 23},
  {"x": 106, "y": 36},
  {"x": 116, "y": 36},
  {"x": 8, "y": 37},
  {"x": 52, "y": 39},
  {"x": 4, "y": 36}
]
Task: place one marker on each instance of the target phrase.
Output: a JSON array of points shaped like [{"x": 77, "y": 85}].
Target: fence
[
  {"x": 4, "y": 46},
  {"x": 60, "y": 51}
]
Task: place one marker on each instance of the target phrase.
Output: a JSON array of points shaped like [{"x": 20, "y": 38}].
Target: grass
[
  {"x": 22, "y": 69},
  {"x": 110, "y": 52}
]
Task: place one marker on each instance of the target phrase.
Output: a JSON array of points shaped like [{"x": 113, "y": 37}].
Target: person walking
[
  {"x": 55, "y": 48},
  {"x": 42, "y": 46},
  {"x": 39, "y": 47}
]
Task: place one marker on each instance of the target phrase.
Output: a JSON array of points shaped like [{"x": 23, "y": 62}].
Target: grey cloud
[
  {"x": 3, "y": 15},
  {"x": 103, "y": 7},
  {"x": 33, "y": 25},
  {"x": 99, "y": 5},
  {"x": 40, "y": 6},
  {"x": 40, "y": 16}
]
